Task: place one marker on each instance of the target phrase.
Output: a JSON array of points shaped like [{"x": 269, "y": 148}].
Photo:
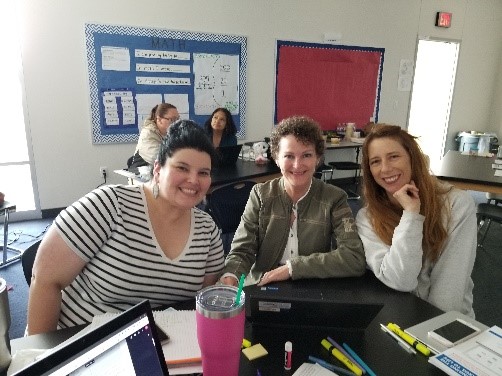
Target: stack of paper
[{"x": 481, "y": 355}]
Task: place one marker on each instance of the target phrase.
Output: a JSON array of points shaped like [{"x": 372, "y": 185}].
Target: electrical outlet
[{"x": 102, "y": 171}]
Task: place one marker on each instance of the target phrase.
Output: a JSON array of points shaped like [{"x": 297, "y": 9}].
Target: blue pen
[
  {"x": 334, "y": 343},
  {"x": 331, "y": 367},
  {"x": 358, "y": 359}
]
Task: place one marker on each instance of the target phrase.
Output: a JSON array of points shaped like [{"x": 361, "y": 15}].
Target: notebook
[
  {"x": 313, "y": 305},
  {"x": 126, "y": 345},
  {"x": 228, "y": 155}
]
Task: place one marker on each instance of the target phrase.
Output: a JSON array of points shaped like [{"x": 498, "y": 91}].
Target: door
[{"x": 432, "y": 92}]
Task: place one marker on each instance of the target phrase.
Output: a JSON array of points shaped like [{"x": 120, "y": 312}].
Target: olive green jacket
[{"x": 328, "y": 243}]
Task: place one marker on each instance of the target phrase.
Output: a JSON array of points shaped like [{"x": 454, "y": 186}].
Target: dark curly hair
[{"x": 303, "y": 128}]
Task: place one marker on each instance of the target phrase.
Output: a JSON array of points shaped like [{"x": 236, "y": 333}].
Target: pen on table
[
  {"x": 358, "y": 359},
  {"x": 342, "y": 358},
  {"x": 401, "y": 342},
  {"x": 183, "y": 361},
  {"x": 334, "y": 343},
  {"x": 330, "y": 366},
  {"x": 419, "y": 346}
]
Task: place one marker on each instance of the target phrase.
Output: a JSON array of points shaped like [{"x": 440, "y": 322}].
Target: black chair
[
  {"x": 226, "y": 205},
  {"x": 487, "y": 213},
  {"x": 349, "y": 166},
  {"x": 324, "y": 172},
  {"x": 27, "y": 260}
]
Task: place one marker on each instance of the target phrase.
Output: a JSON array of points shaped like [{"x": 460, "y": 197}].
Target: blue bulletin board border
[{"x": 105, "y": 81}]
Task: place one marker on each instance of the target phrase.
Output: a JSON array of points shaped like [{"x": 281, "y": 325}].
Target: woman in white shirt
[{"x": 419, "y": 234}]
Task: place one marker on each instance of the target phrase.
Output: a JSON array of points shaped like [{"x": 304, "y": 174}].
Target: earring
[{"x": 155, "y": 190}]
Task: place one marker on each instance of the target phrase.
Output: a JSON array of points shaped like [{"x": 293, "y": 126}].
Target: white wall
[{"x": 57, "y": 98}]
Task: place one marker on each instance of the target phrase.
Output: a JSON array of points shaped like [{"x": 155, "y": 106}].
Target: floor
[{"x": 487, "y": 273}]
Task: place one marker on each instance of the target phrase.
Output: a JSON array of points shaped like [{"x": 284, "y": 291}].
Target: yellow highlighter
[
  {"x": 342, "y": 358},
  {"x": 412, "y": 341}
]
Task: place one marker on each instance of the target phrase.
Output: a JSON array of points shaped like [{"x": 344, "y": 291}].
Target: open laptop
[
  {"x": 228, "y": 155},
  {"x": 310, "y": 304},
  {"x": 126, "y": 345}
]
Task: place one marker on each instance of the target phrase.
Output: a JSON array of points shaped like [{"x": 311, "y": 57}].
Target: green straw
[{"x": 239, "y": 290}]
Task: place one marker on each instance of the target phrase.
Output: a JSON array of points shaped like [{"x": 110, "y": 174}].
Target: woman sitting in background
[
  {"x": 122, "y": 244},
  {"x": 295, "y": 226},
  {"x": 221, "y": 128},
  {"x": 152, "y": 132},
  {"x": 418, "y": 234}
]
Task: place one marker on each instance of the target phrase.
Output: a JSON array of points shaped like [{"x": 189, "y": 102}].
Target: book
[
  {"x": 498, "y": 161},
  {"x": 497, "y": 165},
  {"x": 478, "y": 356},
  {"x": 498, "y": 172}
]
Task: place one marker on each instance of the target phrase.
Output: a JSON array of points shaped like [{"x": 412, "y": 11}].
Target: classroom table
[
  {"x": 376, "y": 348},
  {"x": 242, "y": 170},
  {"x": 469, "y": 172}
]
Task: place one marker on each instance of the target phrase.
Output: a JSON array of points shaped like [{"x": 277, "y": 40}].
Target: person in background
[
  {"x": 419, "y": 234},
  {"x": 121, "y": 244},
  {"x": 295, "y": 226},
  {"x": 152, "y": 132},
  {"x": 221, "y": 128}
]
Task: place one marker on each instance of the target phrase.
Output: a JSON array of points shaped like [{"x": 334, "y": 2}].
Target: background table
[
  {"x": 5, "y": 209},
  {"x": 469, "y": 172},
  {"x": 242, "y": 170}
]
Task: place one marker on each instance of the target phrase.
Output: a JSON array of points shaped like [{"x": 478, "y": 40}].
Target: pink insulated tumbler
[{"x": 220, "y": 329}]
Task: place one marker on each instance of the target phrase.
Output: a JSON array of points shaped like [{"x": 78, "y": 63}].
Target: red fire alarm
[{"x": 443, "y": 19}]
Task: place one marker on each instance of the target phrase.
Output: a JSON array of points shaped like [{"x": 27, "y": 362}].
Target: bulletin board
[
  {"x": 332, "y": 84},
  {"x": 132, "y": 69}
]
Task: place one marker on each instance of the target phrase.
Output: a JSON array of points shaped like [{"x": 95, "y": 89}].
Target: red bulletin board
[{"x": 329, "y": 83}]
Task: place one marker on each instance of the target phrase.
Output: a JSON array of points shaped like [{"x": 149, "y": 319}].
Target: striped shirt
[{"x": 110, "y": 229}]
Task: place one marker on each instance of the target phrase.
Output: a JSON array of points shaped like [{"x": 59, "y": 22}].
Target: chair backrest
[
  {"x": 226, "y": 204},
  {"x": 27, "y": 260}
]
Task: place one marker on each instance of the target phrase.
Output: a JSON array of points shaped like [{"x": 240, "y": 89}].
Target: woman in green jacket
[{"x": 295, "y": 226}]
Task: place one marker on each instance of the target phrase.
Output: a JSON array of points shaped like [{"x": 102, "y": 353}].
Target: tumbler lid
[{"x": 219, "y": 302}]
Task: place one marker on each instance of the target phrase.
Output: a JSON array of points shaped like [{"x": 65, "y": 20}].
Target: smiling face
[
  {"x": 185, "y": 177},
  {"x": 297, "y": 162},
  {"x": 390, "y": 164},
  {"x": 219, "y": 121}
]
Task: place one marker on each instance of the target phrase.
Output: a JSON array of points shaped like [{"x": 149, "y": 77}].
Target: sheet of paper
[{"x": 312, "y": 369}]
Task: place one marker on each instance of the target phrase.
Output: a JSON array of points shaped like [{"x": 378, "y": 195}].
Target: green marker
[{"x": 239, "y": 290}]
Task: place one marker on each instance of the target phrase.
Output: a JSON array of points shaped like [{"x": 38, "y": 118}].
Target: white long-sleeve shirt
[{"x": 447, "y": 284}]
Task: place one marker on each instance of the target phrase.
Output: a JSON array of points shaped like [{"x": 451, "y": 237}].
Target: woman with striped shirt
[{"x": 119, "y": 245}]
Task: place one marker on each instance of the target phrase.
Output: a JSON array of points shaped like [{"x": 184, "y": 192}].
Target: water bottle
[
  {"x": 5, "y": 356},
  {"x": 499, "y": 152}
]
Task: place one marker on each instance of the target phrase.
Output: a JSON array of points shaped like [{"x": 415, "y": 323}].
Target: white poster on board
[{"x": 216, "y": 83}]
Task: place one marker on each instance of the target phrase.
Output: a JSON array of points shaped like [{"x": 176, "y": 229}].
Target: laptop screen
[
  {"x": 228, "y": 155},
  {"x": 126, "y": 345}
]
